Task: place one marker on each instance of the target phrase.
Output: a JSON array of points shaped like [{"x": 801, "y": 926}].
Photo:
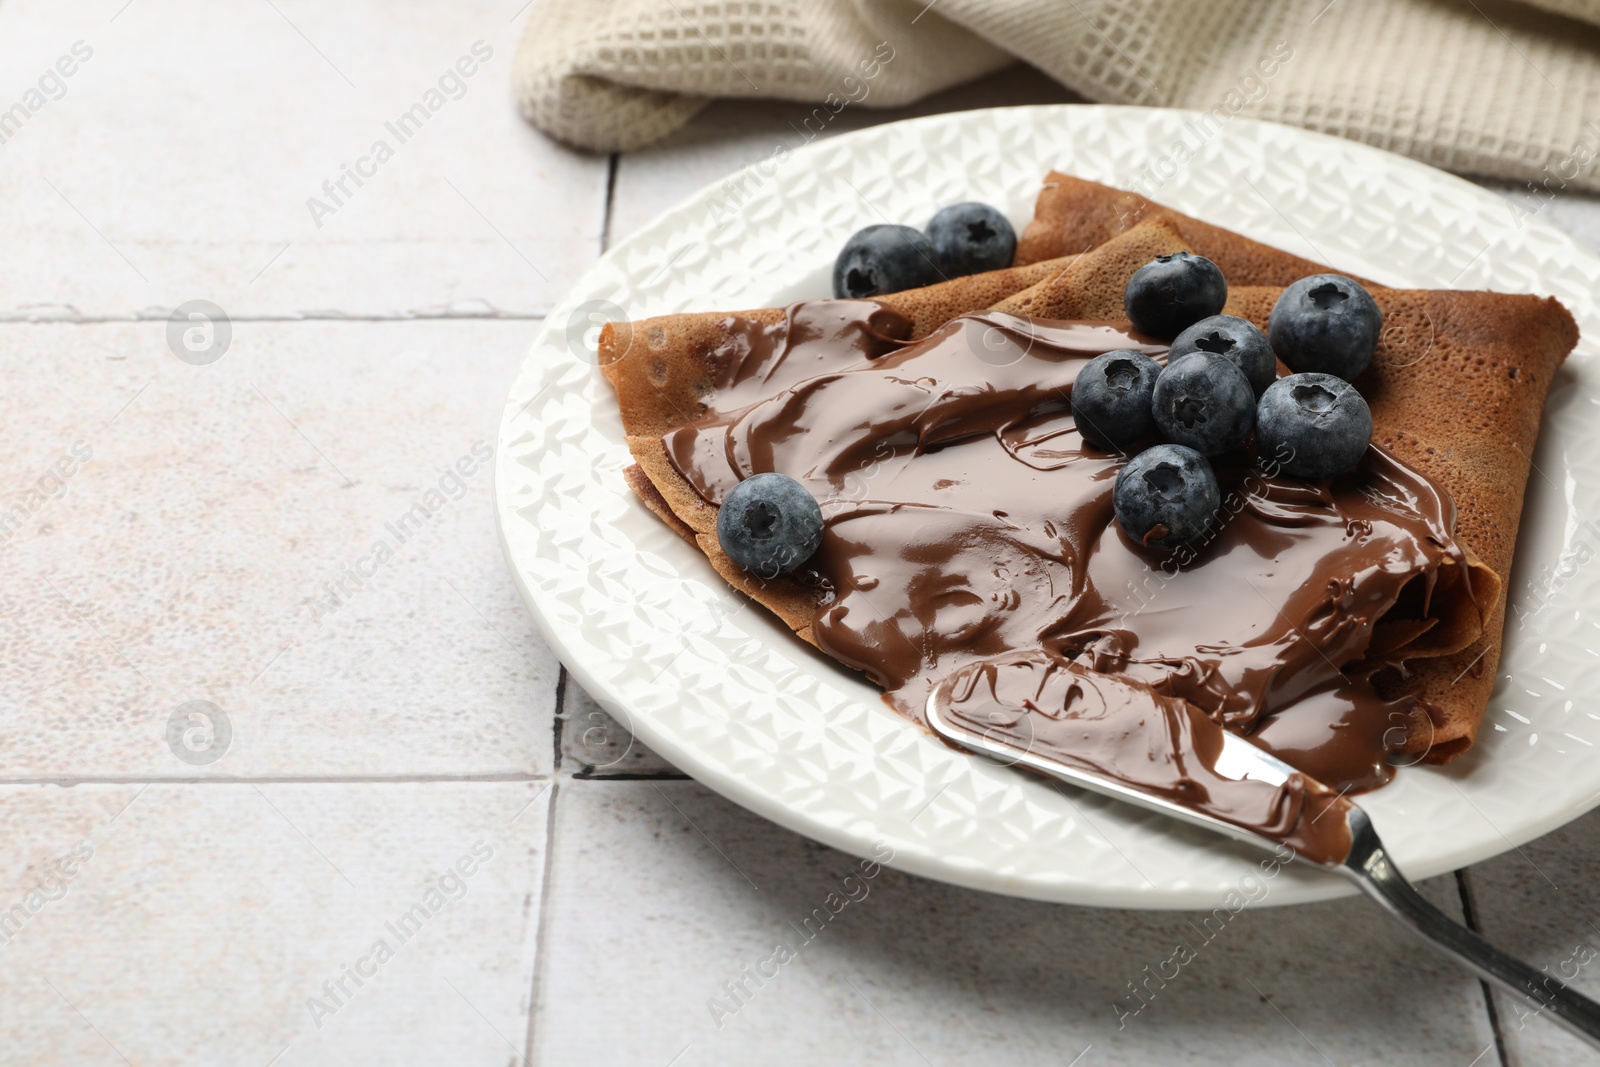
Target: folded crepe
[
  {"x": 1457, "y": 389},
  {"x": 662, "y": 370},
  {"x": 1075, "y": 215},
  {"x": 1458, "y": 400}
]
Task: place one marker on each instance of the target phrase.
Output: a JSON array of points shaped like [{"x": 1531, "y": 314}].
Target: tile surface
[
  {"x": 215, "y": 923},
  {"x": 300, "y": 533},
  {"x": 699, "y": 895},
  {"x": 597, "y": 745},
  {"x": 1542, "y": 903},
  {"x": 182, "y": 156}
]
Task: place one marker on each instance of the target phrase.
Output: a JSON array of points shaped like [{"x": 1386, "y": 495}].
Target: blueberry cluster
[
  {"x": 1220, "y": 384},
  {"x": 965, "y": 238}
]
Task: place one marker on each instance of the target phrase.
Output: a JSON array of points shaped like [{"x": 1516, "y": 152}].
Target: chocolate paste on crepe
[
  {"x": 1060, "y": 710},
  {"x": 1457, "y": 390},
  {"x": 966, "y": 521}
]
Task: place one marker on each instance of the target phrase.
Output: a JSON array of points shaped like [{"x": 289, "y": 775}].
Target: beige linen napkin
[{"x": 1491, "y": 87}]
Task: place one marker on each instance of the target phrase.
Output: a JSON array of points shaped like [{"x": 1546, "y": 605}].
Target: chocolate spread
[
  {"x": 967, "y": 523},
  {"x": 1113, "y": 726}
]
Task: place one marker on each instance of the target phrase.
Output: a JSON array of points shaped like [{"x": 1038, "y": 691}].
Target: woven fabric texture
[{"x": 1491, "y": 87}]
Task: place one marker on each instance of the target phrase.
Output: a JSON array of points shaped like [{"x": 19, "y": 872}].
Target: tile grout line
[
  {"x": 557, "y": 727},
  {"x": 287, "y": 319},
  {"x": 625, "y": 776},
  {"x": 1469, "y": 914},
  {"x": 582, "y": 772},
  {"x": 542, "y": 922},
  {"x": 613, "y": 164},
  {"x": 66, "y": 782}
]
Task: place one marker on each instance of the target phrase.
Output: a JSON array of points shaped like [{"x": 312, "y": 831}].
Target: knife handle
[{"x": 1370, "y": 867}]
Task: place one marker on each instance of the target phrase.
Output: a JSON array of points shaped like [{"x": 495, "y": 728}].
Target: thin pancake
[
  {"x": 1468, "y": 418},
  {"x": 1075, "y": 215},
  {"x": 658, "y": 366},
  {"x": 1457, "y": 387},
  {"x": 660, "y": 369}
]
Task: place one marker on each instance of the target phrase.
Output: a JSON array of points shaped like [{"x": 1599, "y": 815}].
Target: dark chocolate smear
[{"x": 968, "y": 522}]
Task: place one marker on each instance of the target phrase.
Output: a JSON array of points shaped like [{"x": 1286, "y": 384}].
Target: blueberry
[
  {"x": 1237, "y": 339},
  {"x": 1111, "y": 399},
  {"x": 1171, "y": 293},
  {"x": 971, "y": 238},
  {"x": 884, "y": 259},
  {"x": 1325, "y": 324},
  {"x": 1313, "y": 425},
  {"x": 1165, "y": 496},
  {"x": 769, "y": 524},
  {"x": 1204, "y": 401}
]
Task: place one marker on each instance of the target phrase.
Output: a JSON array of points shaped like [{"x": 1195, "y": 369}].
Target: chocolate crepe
[
  {"x": 1457, "y": 389},
  {"x": 666, "y": 386}
]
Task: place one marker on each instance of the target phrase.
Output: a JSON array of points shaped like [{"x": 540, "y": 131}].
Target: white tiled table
[{"x": 407, "y": 763}]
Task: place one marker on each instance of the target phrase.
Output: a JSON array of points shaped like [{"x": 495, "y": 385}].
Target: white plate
[{"x": 728, "y": 694}]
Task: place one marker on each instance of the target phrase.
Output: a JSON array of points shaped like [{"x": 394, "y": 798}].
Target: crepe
[
  {"x": 1456, "y": 394},
  {"x": 660, "y": 369},
  {"x": 1457, "y": 389},
  {"x": 658, "y": 366},
  {"x": 1075, "y": 215}
]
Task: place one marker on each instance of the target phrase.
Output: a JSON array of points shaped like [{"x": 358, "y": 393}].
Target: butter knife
[{"x": 1364, "y": 861}]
